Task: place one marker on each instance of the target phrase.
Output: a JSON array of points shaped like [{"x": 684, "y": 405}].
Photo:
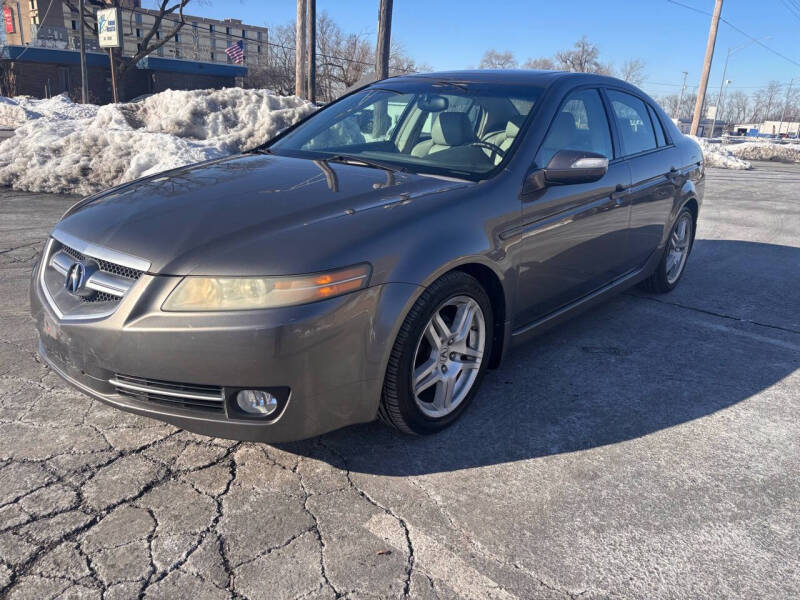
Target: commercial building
[{"x": 42, "y": 39}]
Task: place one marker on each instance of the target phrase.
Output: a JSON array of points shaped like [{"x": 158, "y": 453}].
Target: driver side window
[{"x": 581, "y": 124}]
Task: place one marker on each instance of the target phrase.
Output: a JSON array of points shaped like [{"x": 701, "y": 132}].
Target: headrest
[
  {"x": 565, "y": 121},
  {"x": 513, "y": 126},
  {"x": 452, "y": 129}
]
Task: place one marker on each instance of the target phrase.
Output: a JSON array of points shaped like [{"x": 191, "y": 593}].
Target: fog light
[{"x": 257, "y": 402}]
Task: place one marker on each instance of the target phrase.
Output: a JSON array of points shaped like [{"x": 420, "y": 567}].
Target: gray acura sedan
[{"x": 371, "y": 261}]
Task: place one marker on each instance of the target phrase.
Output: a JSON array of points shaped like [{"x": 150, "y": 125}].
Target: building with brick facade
[{"x": 42, "y": 37}]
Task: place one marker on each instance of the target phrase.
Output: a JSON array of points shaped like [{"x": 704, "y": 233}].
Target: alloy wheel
[
  {"x": 678, "y": 251},
  {"x": 448, "y": 357}
]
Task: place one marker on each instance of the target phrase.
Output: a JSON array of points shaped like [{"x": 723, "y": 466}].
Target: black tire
[
  {"x": 659, "y": 282},
  {"x": 398, "y": 407}
]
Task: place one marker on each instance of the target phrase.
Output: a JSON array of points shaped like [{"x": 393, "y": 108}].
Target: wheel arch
[{"x": 494, "y": 289}]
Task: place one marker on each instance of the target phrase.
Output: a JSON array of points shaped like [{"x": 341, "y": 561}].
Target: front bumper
[{"x": 331, "y": 355}]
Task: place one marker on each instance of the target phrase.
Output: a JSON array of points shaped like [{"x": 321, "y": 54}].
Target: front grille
[
  {"x": 104, "y": 265},
  {"x": 168, "y": 393},
  {"x": 101, "y": 297}
]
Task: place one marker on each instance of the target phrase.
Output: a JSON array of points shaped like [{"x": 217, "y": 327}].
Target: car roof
[{"x": 532, "y": 77}]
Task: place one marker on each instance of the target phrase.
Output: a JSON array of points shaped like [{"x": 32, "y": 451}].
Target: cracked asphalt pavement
[{"x": 648, "y": 449}]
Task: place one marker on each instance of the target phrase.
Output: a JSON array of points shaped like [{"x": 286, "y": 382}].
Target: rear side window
[
  {"x": 662, "y": 141},
  {"x": 581, "y": 124},
  {"x": 633, "y": 122}
]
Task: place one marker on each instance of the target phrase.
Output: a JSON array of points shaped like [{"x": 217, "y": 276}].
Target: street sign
[{"x": 109, "y": 28}]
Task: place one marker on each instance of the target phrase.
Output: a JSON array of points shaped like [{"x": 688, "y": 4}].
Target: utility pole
[
  {"x": 785, "y": 106},
  {"x": 718, "y": 110},
  {"x": 300, "y": 51},
  {"x": 84, "y": 79},
  {"x": 384, "y": 39},
  {"x": 680, "y": 100},
  {"x": 113, "y": 75},
  {"x": 312, "y": 50},
  {"x": 701, "y": 93}
]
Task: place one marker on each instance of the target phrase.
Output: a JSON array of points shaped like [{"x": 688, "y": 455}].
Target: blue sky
[{"x": 453, "y": 34}]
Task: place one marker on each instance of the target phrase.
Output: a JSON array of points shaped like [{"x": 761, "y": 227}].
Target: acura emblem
[{"x": 76, "y": 278}]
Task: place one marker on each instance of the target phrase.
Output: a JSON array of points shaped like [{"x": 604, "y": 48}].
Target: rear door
[
  {"x": 573, "y": 237},
  {"x": 653, "y": 162}
]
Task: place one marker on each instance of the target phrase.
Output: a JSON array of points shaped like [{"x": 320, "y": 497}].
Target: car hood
[{"x": 181, "y": 220}]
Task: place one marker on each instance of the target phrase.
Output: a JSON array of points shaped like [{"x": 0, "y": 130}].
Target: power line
[
  {"x": 738, "y": 87},
  {"x": 738, "y": 30}
]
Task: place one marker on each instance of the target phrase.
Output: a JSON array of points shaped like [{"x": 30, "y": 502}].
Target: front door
[{"x": 574, "y": 237}]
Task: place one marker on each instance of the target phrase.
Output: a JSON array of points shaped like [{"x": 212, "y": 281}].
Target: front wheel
[
  {"x": 439, "y": 357},
  {"x": 673, "y": 263}
]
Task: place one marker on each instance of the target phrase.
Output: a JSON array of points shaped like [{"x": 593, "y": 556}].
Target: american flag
[{"x": 236, "y": 52}]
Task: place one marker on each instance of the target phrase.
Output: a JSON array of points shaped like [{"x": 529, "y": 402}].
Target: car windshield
[{"x": 458, "y": 129}]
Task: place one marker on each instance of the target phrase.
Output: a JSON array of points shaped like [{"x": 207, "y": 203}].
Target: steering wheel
[{"x": 490, "y": 146}]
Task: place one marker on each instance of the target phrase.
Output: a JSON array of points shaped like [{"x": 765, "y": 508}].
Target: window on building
[
  {"x": 244, "y": 33},
  {"x": 211, "y": 29},
  {"x": 177, "y": 52},
  {"x": 213, "y": 57},
  {"x": 160, "y": 51},
  {"x": 259, "y": 49},
  {"x": 258, "y": 35},
  {"x": 158, "y": 34},
  {"x": 227, "y": 30},
  {"x": 138, "y": 33},
  {"x": 138, "y": 18},
  {"x": 177, "y": 38},
  {"x": 74, "y": 25}
]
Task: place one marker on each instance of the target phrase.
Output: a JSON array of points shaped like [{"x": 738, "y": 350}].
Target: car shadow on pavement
[{"x": 631, "y": 367}]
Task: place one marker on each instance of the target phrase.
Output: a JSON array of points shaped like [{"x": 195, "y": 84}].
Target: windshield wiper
[
  {"x": 259, "y": 150},
  {"x": 367, "y": 162}
]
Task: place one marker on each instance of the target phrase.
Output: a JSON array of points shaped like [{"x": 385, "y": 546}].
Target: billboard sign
[
  {"x": 8, "y": 17},
  {"x": 109, "y": 28}
]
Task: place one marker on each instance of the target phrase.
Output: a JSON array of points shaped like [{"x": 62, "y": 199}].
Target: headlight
[{"x": 247, "y": 293}]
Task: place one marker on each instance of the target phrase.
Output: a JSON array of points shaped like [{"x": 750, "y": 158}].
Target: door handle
[{"x": 619, "y": 191}]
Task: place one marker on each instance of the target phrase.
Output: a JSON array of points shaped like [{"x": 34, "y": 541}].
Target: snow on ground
[
  {"x": 61, "y": 146},
  {"x": 766, "y": 151},
  {"x": 715, "y": 155},
  {"x": 739, "y": 155}
]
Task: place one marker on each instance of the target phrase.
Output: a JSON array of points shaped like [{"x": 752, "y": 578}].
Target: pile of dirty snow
[
  {"x": 789, "y": 153},
  {"x": 716, "y": 155},
  {"x": 61, "y": 146}
]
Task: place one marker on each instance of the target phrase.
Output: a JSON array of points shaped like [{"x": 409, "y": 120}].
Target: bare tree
[
  {"x": 168, "y": 13},
  {"x": 632, "y": 71},
  {"x": 582, "y": 58},
  {"x": 736, "y": 107},
  {"x": 767, "y": 102},
  {"x": 540, "y": 64},
  {"x": 669, "y": 103},
  {"x": 492, "y": 59}
]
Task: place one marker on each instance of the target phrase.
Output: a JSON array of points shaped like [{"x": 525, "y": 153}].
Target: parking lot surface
[{"x": 648, "y": 449}]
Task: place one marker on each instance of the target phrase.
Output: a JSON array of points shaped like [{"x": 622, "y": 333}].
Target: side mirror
[{"x": 568, "y": 167}]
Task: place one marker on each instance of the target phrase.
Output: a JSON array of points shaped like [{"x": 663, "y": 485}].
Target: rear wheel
[
  {"x": 673, "y": 264},
  {"x": 439, "y": 357}
]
